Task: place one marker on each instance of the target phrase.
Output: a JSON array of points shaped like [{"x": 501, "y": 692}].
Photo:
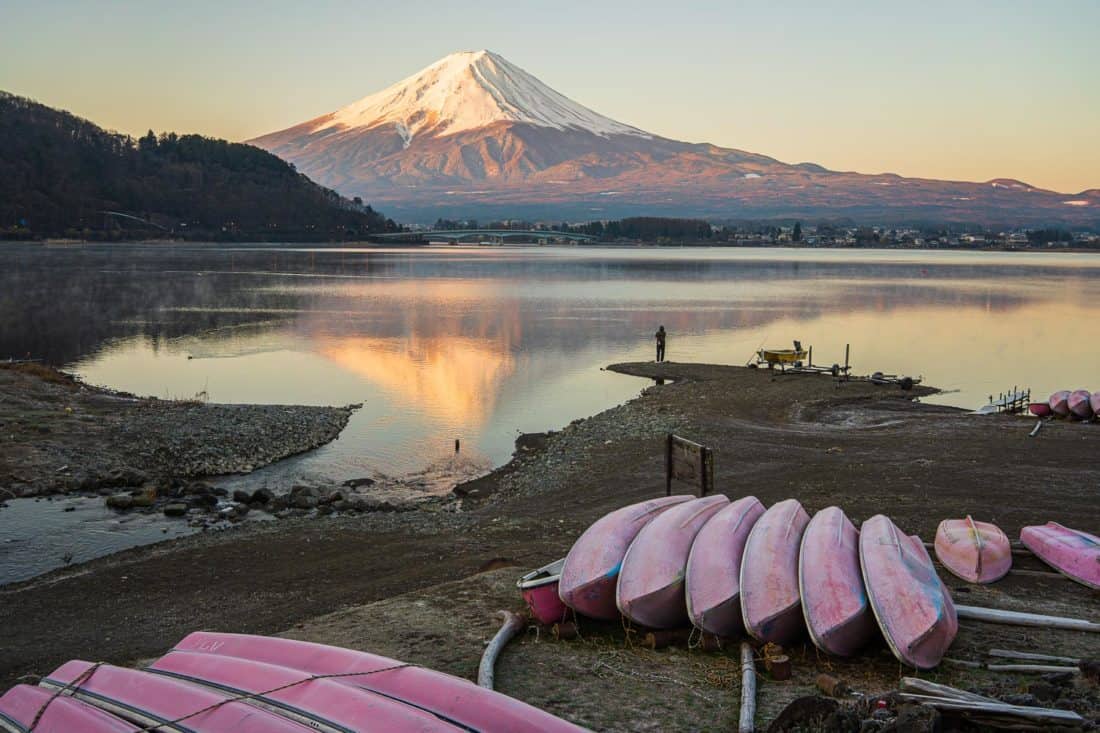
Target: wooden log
[
  {"x": 1032, "y": 656},
  {"x": 924, "y": 687},
  {"x": 997, "y": 709},
  {"x": 513, "y": 624},
  {"x": 1043, "y": 668},
  {"x": 746, "y": 722},
  {"x": 1019, "y": 618}
]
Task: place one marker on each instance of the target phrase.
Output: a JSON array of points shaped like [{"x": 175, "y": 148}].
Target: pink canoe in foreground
[
  {"x": 148, "y": 699},
  {"x": 317, "y": 703},
  {"x": 453, "y": 699},
  {"x": 1078, "y": 404},
  {"x": 651, "y": 584},
  {"x": 20, "y": 705},
  {"x": 834, "y": 602},
  {"x": 591, "y": 569},
  {"x": 1073, "y": 553},
  {"x": 713, "y": 579},
  {"x": 771, "y": 605},
  {"x": 913, "y": 608},
  {"x": 1059, "y": 403},
  {"x": 977, "y": 552}
]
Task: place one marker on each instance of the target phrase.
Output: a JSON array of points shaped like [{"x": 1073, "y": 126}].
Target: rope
[
  {"x": 76, "y": 682},
  {"x": 237, "y": 698}
]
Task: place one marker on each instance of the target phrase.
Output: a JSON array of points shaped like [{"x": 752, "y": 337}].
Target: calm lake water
[{"x": 481, "y": 344}]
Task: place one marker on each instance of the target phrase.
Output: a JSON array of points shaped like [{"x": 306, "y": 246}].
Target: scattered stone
[
  {"x": 120, "y": 501},
  {"x": 355, "y": 483},
  {"x": 241, "y": 497},
  {"x": 175, "y": 510},
  {"x": 304, "y": 501},
  {"x": 262, "y": 496}
]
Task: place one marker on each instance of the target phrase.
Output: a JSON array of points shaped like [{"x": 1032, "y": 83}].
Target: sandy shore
[{"x": 866, "y": 448}]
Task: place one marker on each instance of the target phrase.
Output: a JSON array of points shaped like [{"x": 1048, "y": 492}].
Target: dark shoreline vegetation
[{"x": 65, "y": 177}]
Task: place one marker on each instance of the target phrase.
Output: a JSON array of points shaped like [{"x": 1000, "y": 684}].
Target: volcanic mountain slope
[{"x": 473, "y": 134}]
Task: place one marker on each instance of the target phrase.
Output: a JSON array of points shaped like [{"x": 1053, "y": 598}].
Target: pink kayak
[
  {"x": 1071, "y": 552},
  {"x": 977, "y": 552},
  {"x": 1078, "y": 404},
  {"x": 771, "y": 606},
  {"x": 834, "y": 602},
  {"x": 1059, "y": 403},
  {"x": 1040, "y": 409},
  {"x": 316, "y": 703},
  {"x": 147, "y": 700},
  {"x": 651, "y": 584},
  {"x": 20, "y": 705},
  {"x": 913, "y": 608},
  {"x": 591, "y": 569},
  {"x": 453, "y": 699},
  {"x": 713, "y": 577}
]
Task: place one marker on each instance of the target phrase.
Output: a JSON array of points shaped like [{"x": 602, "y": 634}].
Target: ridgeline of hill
[{"x": 63, "y": 176}]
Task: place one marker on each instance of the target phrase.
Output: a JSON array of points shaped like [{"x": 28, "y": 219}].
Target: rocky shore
[{"x": 59, "y": 435}]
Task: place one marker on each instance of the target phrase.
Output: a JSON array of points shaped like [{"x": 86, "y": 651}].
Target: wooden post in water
[{"x": 457, "y": 444}]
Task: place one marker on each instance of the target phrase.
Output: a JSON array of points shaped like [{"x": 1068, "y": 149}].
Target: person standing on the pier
[{"x": 660, "y": 336}]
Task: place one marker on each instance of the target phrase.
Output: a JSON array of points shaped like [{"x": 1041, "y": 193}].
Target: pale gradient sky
[{"x": 965, "y": 89}]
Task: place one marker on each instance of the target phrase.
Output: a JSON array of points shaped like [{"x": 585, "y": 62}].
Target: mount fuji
[{"x": 475, "y": 135}]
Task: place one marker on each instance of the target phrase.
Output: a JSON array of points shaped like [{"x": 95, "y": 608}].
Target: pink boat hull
[
  {"x": 1059, "y": 403},
  {"x": 713, "y": 577},
  {"x": 591, "y": 569},
  {"x": 913, "y": 608},
  {"x": 452, "y": 698},
  {"x": 20, "y": 705},
  {"x": 317, "y": 702},
  {"x": 1094, "y": 402},
  {"x": 1071, "y": 552},
  {"x": 977, "y": 552},
  {"x": 1078, "y": 404},
  {"x": 650, "y": 591},
  {"x": 147, "y": 699},
  {"x": 771, "y": 605},
  {"x": 1040, "y": 409},
  {"x": 834, "y": 602}
]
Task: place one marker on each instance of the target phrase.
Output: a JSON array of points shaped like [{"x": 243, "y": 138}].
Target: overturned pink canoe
[
  {"x": 834, "y": 602},
  {"x": 21, "y": 705},
  {"x": 913, "y": 608},
  {"x": 1078, "y": 404},
  {"x": 1040, "y": 409},
  {"x": 771, "y": 606},
  {"x": 1071, "y": 552},
  {"x": 713, "y": 577},
  {"x": 150, "y": 700},
  {"x": 591, "y": 568},
  {"x": 977, "y": 552},
  {"x": 1059, "y": 403},
  {"x": 452, "y": 699},
  {"x": 321, "y": 704},
  {"x": 651, "y": 584}
]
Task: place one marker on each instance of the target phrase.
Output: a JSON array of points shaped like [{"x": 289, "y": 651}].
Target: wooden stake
[
  {"x": 1007, "y": 654},
  {"x": 747, "y": 723}
]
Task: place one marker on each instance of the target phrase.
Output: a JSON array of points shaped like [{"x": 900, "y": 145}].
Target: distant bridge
[{"x": 496, "y": 236}]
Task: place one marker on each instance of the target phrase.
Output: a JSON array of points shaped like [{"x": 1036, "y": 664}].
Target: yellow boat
[{"x": 772, "y": 357}]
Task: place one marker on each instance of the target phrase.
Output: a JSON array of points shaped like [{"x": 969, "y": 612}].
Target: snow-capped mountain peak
[{"x": 466, "y": 91}]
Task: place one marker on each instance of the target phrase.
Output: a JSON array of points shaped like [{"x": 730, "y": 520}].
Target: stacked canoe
[
  {"x": 731, "y": 567},
  {"x": 1079, "y": 404},
  {"x": 291, "y": 687}
]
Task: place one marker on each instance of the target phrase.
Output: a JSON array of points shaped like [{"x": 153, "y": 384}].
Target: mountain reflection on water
[{"x": 482, "y": 343}]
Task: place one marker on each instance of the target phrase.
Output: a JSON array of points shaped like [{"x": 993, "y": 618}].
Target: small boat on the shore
[
  {"x": 713, "y": 577},
  {"x": 913, "y": 608},
  {"x": 834, "y": 602},
  {"x": 1079, "y": 405},
  {"x": 771, "y": 606},
  {"x": 453, "y": 699},
  {"x": 650, "y": 591},
  {"x": 540, "y": 589},
  {"x": 1094, "y": 403},
  {"x": 591, "y": 571},
  {"x": 21, "y": 705},
  {"x": 591, "y": 568},
  {"x": 1040, "y": 409},
  {"x": 1059, "y": 403},
  {"x": 1071, "y": 552},
  {"x": 150, "y": 700},
  {"x": 322, "y": 704},
  {"x": 977, "y": 552}
]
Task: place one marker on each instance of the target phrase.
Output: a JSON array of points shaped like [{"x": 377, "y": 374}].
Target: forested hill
[{"x": 63, "y": 176}]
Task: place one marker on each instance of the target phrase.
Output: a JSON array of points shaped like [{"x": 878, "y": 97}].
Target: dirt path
[{"x": 868, "y": 449}]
